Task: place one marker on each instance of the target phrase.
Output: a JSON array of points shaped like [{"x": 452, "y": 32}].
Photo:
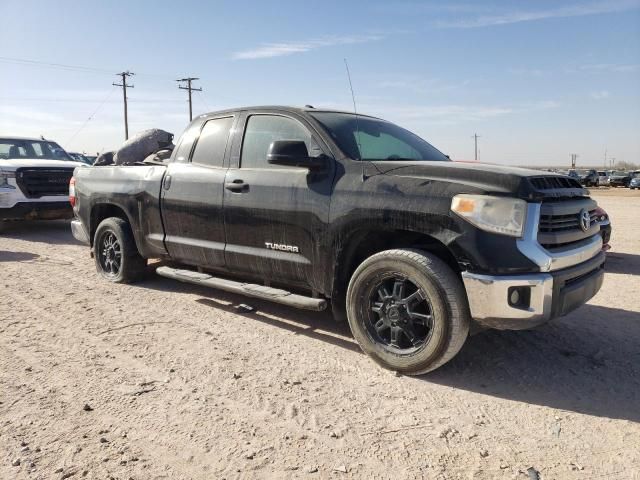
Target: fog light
[
  {"x": 514, "y": 298},
  {"x": 519, "y": 297}
]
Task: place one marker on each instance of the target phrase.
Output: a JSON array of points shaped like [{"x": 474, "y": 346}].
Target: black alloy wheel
[
  {"x": 401, "y": 315},
  {"x": 110, "y": 254}
]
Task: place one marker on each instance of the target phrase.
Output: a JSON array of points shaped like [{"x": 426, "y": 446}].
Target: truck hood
[
  {"x": 498, "y": 179},
  {"x": 15, "y": 163}
]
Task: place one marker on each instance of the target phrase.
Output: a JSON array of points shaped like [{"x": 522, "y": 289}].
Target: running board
[{"x": 248, "y": 289}]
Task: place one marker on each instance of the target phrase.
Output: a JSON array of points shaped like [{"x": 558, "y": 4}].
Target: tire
[
  {"x": 115, "y": 252},
  {"x": 382, "y": 324}
]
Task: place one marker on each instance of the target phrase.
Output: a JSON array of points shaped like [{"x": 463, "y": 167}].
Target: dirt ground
[{"x": 165, "y": 380}]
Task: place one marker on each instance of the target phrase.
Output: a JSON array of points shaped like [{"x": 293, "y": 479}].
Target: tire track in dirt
[
  {"x": 291, "y": 384},
  {"x": 114, "y": 405}
]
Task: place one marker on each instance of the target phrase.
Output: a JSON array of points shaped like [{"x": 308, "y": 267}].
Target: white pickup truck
[{"x": 34, "y": 179}]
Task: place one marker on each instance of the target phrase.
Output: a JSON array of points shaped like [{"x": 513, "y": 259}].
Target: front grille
[
  {"x": 42, "y": 182},
  {"x": 560, "y": 226},
  {"x": 550, "y": 182},
  {"x": 562, "y": 223}
]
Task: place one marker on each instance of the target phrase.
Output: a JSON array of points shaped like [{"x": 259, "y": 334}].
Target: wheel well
[
  {"x": 101, "y": 212},
  {"x": 367, "y": 243}
]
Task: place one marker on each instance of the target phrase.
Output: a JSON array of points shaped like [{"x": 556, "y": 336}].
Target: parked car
[
  {"x": 314, "y": 208},
  {"x": 34, "y": 179},
  {"x": 589, "y": 178},
  {"x": 603, "y": 179},
  {"x": 80, "y": 157},
  {"x": 575, "y": 175},
  {"x": 619, "y": 178},
  {"x": 635, "y": 182},
  {"x": 602, "y": 218}
]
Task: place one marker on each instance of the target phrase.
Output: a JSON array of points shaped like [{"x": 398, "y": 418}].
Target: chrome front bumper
[
  {"x": 488, "y": 299},
  {"x": 550, "y": 294}
]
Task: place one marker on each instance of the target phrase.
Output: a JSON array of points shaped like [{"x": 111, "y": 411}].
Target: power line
[
  {"x": 24, "y": 61},
  {"x": 62, "y": 66},
  {"x": 204, "y": 100},
  {"x": 190, "y": 88},
  {"x": 91, "y": 116},
  {"x": 124, "y": 86}
]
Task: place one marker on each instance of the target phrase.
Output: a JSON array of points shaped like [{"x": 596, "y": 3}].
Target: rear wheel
[
  {"x": 115, "y": 252},
  {"x": 407, "y": 309}
]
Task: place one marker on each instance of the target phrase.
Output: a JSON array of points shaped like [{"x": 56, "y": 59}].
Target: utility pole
[
  {"x": 124, "y": 86},
  {"x": 190, "y": 89},
  {"x": 475, "y": 138},
  {"x": 574, "y": 156}
]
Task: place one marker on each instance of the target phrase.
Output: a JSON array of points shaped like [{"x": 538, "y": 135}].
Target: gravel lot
[{"x": 165, "y": 380}]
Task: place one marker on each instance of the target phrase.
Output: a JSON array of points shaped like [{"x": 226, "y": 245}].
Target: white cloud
[
  {"x": 610, "y": 67},
  {"x": 578, "y": 10},
  {"x": 528, "y": 72},
  {"x": 268, "y": 50},
  {"x": 426, "y": 7},
  {"x": 421, "y": 85},
  {"x": 600, "y": 95}
]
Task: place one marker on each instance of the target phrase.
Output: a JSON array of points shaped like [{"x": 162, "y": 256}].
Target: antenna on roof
[{"x": 355, "y": 112}]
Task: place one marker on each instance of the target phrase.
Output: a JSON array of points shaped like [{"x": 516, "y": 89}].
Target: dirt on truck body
[{"x": 366, "y": 218}]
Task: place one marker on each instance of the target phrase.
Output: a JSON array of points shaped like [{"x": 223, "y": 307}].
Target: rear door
[
  {"x": 275, "y": 215},
  {"x": 192, "y": 194}
]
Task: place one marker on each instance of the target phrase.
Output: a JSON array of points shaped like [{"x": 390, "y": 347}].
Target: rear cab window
[{"x": 211, "y": 145}]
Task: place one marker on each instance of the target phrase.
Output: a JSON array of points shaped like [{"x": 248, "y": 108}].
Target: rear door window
[{"x": 212, "y": 143}]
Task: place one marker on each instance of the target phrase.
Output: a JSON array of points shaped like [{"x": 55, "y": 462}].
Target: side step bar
[{"x": 248, "y": 289}]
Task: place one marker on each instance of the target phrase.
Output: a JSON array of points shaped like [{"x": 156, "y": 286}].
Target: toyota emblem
[{"x": 584, "y": 219}]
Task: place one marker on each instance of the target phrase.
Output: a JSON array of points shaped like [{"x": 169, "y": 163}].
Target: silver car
[{"x": 603, "y": 179}]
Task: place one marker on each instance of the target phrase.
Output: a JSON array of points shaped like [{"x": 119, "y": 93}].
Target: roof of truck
[{"x": 285, "y": 108}]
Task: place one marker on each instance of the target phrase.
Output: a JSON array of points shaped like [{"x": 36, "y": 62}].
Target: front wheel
[
  {"x": 407, "y": 309},
  {"x": 115, "y": 252}
]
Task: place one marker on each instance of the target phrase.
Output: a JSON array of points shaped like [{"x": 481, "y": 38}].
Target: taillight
[{"x": 72, "y": 191}]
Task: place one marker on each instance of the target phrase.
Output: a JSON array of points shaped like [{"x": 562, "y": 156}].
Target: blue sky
[{"x": 536, "y": 80}]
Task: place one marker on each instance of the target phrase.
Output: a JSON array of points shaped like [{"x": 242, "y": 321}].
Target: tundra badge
[{"x": 281, "y": 247}]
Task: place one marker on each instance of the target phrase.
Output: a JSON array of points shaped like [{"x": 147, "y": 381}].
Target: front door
[{"x": 275, "y": 215}]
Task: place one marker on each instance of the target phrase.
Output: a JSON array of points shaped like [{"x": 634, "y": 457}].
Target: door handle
[
  {"x": 166, "y": 183},
  {"x": 237, "y": 186}
]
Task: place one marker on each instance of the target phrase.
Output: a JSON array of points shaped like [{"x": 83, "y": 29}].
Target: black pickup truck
[{"x": 315, "y": 208}]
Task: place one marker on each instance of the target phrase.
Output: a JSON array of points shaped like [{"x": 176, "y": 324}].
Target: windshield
[
  {"x": 79, "y": 157},
  {"x": 11, "y": 148},
  {"x": 372, "y": 139}
]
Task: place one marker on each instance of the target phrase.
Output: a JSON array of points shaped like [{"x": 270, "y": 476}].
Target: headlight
[
  {"x": 505, "y": 216},
  {"x": 4, "y": 179}
]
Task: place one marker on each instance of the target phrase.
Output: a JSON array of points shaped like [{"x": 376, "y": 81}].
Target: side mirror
[{"x": 292, "y": 153}]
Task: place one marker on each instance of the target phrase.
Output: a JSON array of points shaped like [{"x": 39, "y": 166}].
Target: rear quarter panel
[{"x": 135, "y": 190}]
